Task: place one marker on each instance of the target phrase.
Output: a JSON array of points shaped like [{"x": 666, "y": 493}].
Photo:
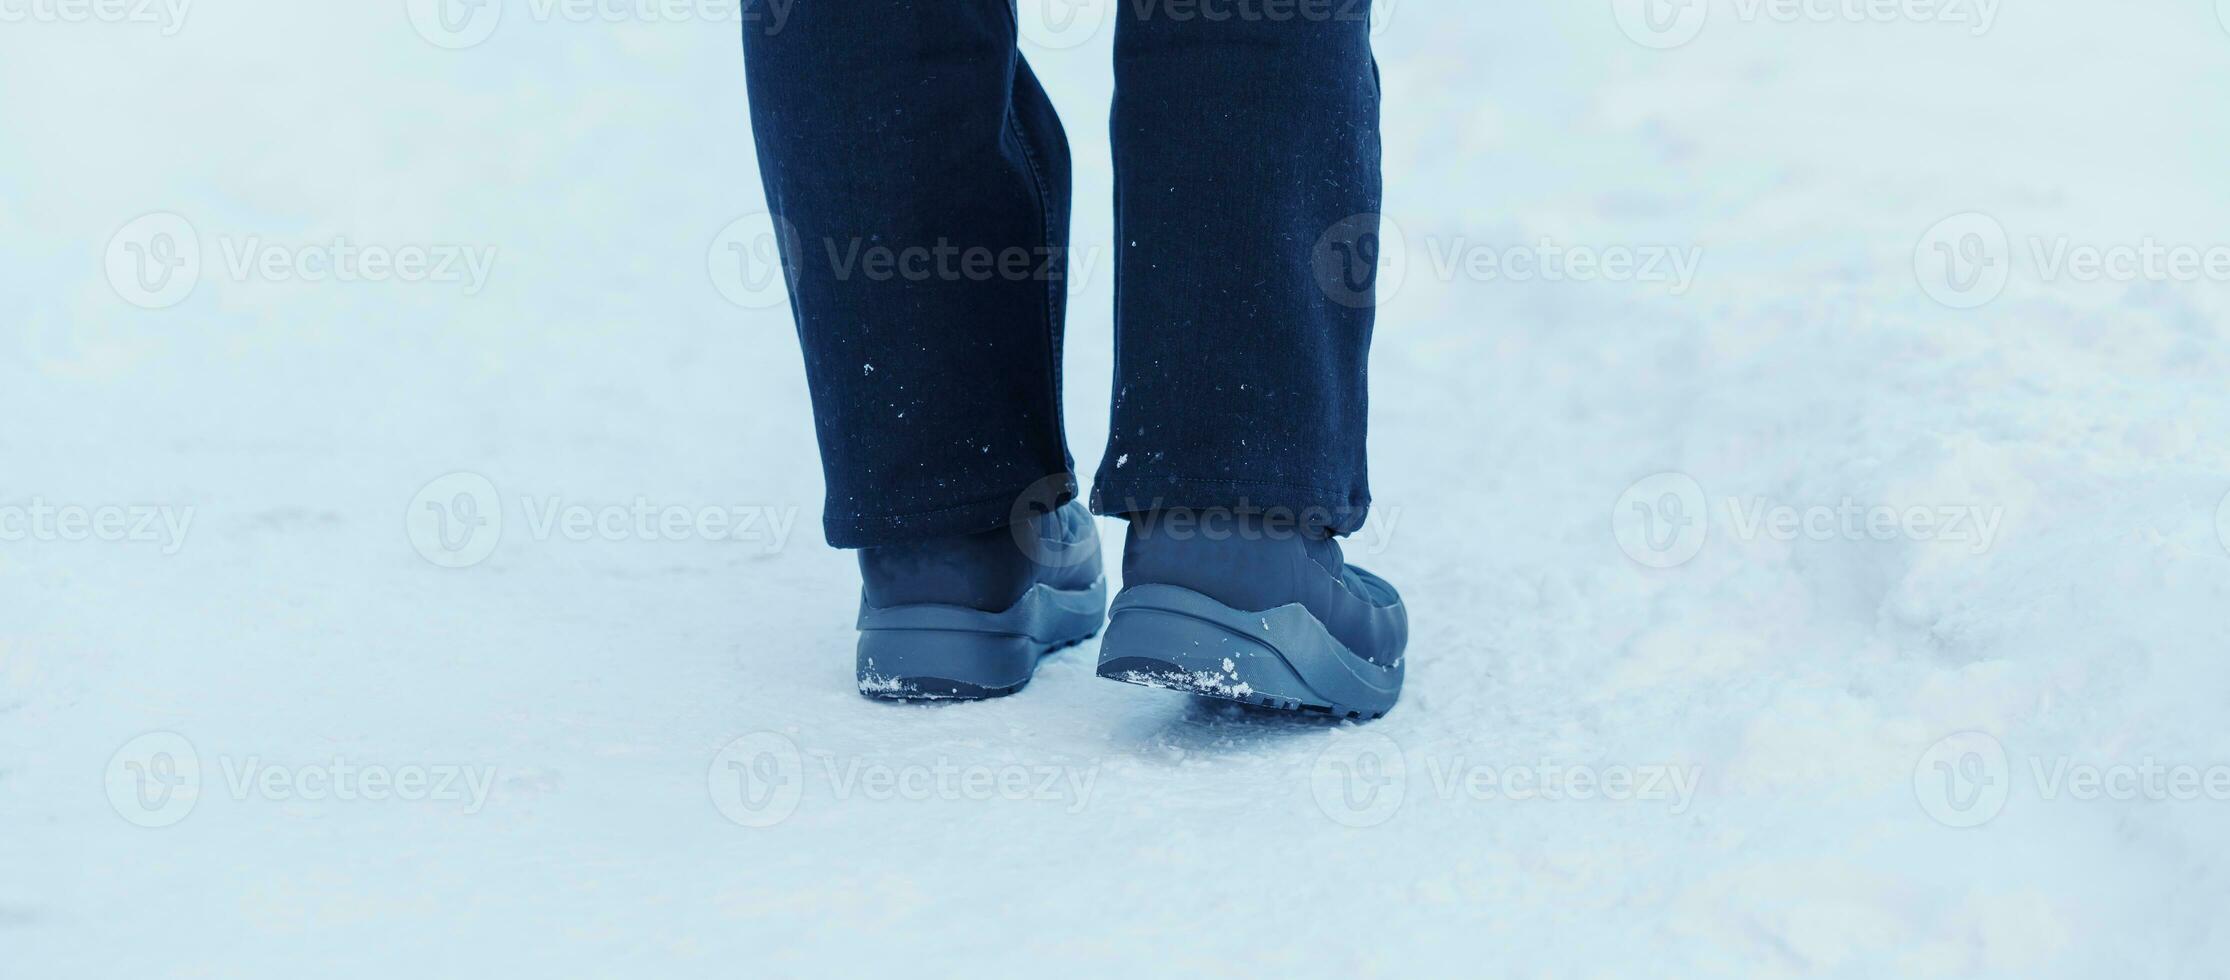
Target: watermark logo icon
[
  {"x": 1042, "y": 541},
  {"x": 745, "y": 261},
  {"x": 757, "y": 780},
  {"x": 1360, "y": 779},
  {"x": 154, "y": 262},
  {"x": 2222, "y": 510},
  {"x": 1661, "y": 520},
  {"x": 1964, "y": 261},
  {"x": 1361, "y": 261},
  {"x": 1058, "y": 25},
  {"x": 154, "y": 780},
  {"x": 456, "y": 520},
  {"x": 1963, "y": 780},
  {"x": 455, "y": 24},
  {"x": 1661, "y": 24}
]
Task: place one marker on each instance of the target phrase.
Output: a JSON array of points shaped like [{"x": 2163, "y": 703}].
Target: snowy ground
[{"x": 1964, "y": 717}]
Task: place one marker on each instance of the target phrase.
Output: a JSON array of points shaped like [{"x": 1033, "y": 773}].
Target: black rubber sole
[
  {"x": 931, "y": 689},
  {"x": 1168, "y": 676},
  {"x": 1283, "y": 659},
  {"x": 1146, "y": 672},
  {"x": 953, "y": 653}
]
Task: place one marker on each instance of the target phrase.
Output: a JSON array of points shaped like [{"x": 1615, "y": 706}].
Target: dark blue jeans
[{"x": 921, "y": 179}]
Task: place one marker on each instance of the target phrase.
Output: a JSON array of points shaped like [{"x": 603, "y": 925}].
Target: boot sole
[
  {"x": 1173, "y": 638},
  {"x": 954, "y": 653}
]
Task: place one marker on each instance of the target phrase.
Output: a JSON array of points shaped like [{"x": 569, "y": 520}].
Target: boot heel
[
  {"x": 932, "y": 652},
  {"x": 918, "y": 664},
  {"x": 1171, "y": 637},
  {"x": 1156, "y": 648}
]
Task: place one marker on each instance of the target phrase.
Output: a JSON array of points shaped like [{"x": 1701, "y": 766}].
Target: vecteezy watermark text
[
  {"x": 1363, "y": 778},
  {"x": 1246, "y": 521},
  {"x": 1058, "y": 25},
  {"x": 755, "y": 259},
  {"x": 1848, "y": 519},
  {"x": 40, "y": 520},
  {"x": 167, "y": 16},
  {"x": 457, "y": 520},
  {"x": 945, "y": 261},
  {"x": 1666, "y": 24},
  {"x": 460, "y": 24},
  {"x": 1363, "y": 261},
  {"x": 760, "y": 779},
  {"x": 157, "y": 260},
  {"x": 1664, "y": 519},
  {"x": 1967, "y": 778},
  {"x": 1548, "y": 260},
  {"x": 339, "y": 779},
  {"x": 1967, "y": 260},
  {"x": 157, "y": 779}
]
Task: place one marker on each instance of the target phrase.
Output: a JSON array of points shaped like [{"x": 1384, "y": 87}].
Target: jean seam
[
  {"x": 861, "y": 518},
  {"x": 1351, "y": 496},
  {"x": 1042, "y": 195}
]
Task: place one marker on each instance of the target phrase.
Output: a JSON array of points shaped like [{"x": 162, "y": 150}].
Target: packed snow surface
[{"x": 1807, "y": 494}]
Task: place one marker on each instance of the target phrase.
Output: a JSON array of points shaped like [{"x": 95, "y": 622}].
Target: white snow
[{"x": 677, "y": 777}]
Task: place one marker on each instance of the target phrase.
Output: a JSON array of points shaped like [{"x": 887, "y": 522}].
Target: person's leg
[
  {"x": 1247, "y": 187},
  {"x": 921, "y": 180},
  {"x": 920, "y": 183},
  {"x": 1246, "y": 153}
]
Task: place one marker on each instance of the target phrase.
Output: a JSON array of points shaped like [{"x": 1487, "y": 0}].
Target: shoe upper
[
  {"x": 1250, "y": 565},
  {"x": 989, "y": 570}
]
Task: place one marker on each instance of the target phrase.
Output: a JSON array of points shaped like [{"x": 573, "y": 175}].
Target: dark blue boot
[
  {"x": 968, "y": 616},
  {"x": 1235, "y": 607}
]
